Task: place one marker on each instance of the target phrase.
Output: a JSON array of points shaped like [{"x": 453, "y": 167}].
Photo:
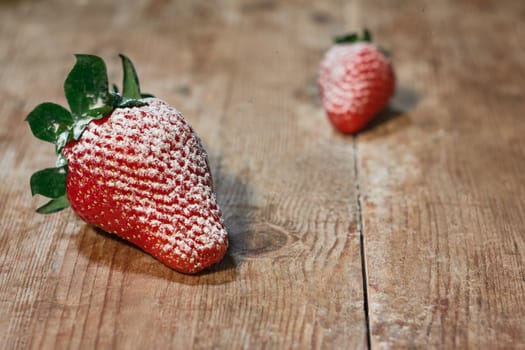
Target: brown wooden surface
[
  {"x": 443, "y": 184},
  {"x": 427, "y": 204}
]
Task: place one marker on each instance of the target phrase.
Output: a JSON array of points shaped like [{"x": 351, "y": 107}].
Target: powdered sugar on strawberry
[
  {"x": 143, "y": 174},
  {"x": 355, "y": 82}
]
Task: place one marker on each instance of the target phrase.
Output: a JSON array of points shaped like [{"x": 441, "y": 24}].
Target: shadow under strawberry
[
  {"x": 107, "y": 249},
  {"x": 250, "y": 234},
  {"x": 248, "y": 238},
  {"x": 395, "y": 115},
  {"x": 234, "y": 197}
]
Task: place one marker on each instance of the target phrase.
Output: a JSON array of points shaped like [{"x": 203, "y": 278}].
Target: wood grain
[
  {"x": 243, "y": 73},
  {"x": 431, "y": 193},
  {"x": 442, "y": 178}
]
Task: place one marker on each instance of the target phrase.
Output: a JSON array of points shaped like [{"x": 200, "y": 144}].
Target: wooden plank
[
  {"x": 244, "y": 75},
  {"x": 442, "y": 178}
]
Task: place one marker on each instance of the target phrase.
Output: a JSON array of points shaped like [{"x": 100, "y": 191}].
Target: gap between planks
[{"x": 362, "y": 246}]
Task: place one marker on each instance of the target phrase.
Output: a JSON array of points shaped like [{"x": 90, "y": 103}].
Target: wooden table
[{"x": 408, "y": 235}]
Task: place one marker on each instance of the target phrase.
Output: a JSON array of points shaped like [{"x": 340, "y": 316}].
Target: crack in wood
[{"x": 362, "y": 244}]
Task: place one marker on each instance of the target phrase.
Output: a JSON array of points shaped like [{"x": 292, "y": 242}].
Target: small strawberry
[
  {"x": 356, "y": 80},
  {"x": 131, "y": 165}
]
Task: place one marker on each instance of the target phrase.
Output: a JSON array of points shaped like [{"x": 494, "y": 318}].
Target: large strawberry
[
  {"x": 131, "y": 165},
  {"x": 356, "y": 80}
]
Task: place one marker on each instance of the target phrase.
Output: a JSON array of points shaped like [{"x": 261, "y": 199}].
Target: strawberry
[
  {"x": 131, "y": 165},
  {"x": 356, "y": 80}
]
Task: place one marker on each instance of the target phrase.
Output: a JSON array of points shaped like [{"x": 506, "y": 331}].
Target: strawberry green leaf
[
  {"x": 130, "y": 103},
  {"x": 354, "y": 38},
  {"x": 86, "y": 86},
  {"x": 61, "y": 161},
  {"x": 146, "y": 95},
  {"x": 98, "y": 113},
  {"x": 130, "y": 86},
  {"x": 50, "y": 182},
  {"x": 119, "y": 101},
  {"x": 367, "y": 36},
  {"x": 87, "y": 117},
  {"x": 80, "y": 126},
  {"x": 49, "y": 120},
  {"x": 344, "y": 39},
  {"x": 54, "y": 205},
  {"x": 62, "y": 140}
]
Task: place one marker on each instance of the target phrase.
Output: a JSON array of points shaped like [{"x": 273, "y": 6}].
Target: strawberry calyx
[
  {"x": 352, "y": 38},
  {"x": 89, "y": 98}
]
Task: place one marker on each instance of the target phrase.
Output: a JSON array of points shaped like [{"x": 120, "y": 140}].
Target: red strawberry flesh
[
  {"x": 356, "y": 81},
  {"x": 142, "y": 174}
]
